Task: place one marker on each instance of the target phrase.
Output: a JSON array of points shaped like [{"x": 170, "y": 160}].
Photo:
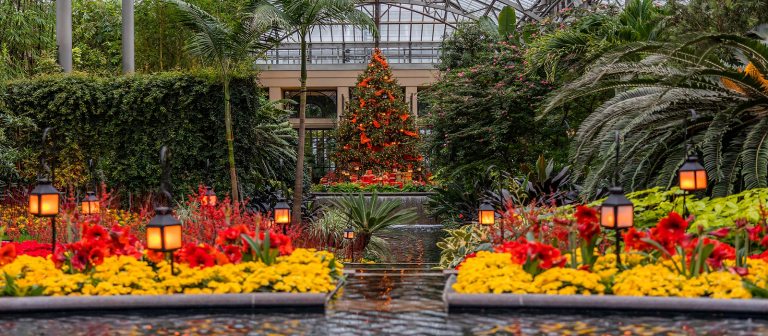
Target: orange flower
[
  {"x": 7, "y": 254},
  {"x": 364, "y": 139},
  {"x": 411, "y": 134},
  {"x": 376, "y": 124},
  {"x": 404, "y": 116}
]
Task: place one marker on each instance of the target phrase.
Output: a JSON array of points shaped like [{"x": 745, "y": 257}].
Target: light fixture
[
  {"x": 164, "y": 229},
  {"x": 282, "y": 214},
  {"x": 692, "y": 175},
  {"x": 617, "y": 212},
  {"x": 44, "y": 198},
  {"x": 349, "y": 235},
  {"x": 486, "y": 215},
  {"x": 209, "y": 198},
  {"x": 90, "y": 204}
]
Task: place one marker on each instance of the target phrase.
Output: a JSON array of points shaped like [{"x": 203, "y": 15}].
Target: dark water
[{"x": 394, "y": 299}]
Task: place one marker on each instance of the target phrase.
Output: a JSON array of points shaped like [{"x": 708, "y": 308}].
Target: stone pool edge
[
  {"x": 454, "y": 302},
  {"x": 292, "y": 301}
]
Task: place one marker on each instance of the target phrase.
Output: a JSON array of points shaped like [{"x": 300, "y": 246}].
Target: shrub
[{"x": 122, "y": 122}]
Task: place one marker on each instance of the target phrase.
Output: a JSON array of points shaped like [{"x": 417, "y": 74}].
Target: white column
[
  {"x": 128, "y": 37},
  {"x": 412, "y": 100},
  {"x": 64, "y": 33}
]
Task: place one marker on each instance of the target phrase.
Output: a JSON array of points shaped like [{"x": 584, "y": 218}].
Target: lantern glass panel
[
  {"x": 607, "y": 216},
  {"x": 701, "y": 179},
  {"x": 210, "y": 200},
  {"x": 172, "y": 237},
  {"x": 49, "y": 204},
  {"x": 626, "y": 218},
  {"x": 89, "y": 207},
  {"x": 34, "y": 204},
  {"x": 487, "y": 217},
  {"x": 688, "y": 180},
  {"x": 282, "y": 216},
  {"x": 155, "y": 238}
]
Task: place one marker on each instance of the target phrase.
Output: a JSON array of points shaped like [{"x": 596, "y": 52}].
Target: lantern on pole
[
  {"x": 164, "y": 229},
  {"x": 617, "y": 212},
  {"x": 349, "y": 235},
  {"x": 486, "y": 215},
  {"x": 691, "y": 176},
  {"x": 44, "y": 199}
]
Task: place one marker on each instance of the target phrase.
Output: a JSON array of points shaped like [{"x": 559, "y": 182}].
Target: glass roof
[{"x": 411, "y": 31}]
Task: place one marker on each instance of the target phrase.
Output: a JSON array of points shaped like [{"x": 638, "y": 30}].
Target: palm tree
[
  {"x": 226, "y": 46},
  {"x": 723, "y": 77},
  {"x": 300, "y": 16},
  {"x": 569, "y": 50},
  {"x": 369, "y": 216}
]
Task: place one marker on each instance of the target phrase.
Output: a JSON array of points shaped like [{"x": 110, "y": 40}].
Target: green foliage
[
  {"x": 717, "y": 16},
  {"x": 483, "y": 115},
  {"x": 9, "y": 287},
  {"x": 369, "y": 216},
  {"x": 668, "y": 81},
  {"x": 507, "y": 21},
  {"x": 350, "y": 187},
  {"x": 587, "y": 34},
  {"x": 460, "y": 242},
  {"x": 468, "y": 41},
  {"x": 328, "y": 228},
  {"x": 183, "y": 111}
]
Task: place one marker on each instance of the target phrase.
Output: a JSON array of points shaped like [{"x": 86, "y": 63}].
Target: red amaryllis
[
  {"x": 155, "y": 256},
  {"x": 633, "y": 240},
  {"x": 588, "y": 223},
  {"x": 536, "y": 255},
  {"x": 720, "y": 233},
  {"x": 755, "y": 233},
  {"x": 34, "y": 248},
  {"x": 670, "y": 231},
  {"x": 7, "y": 254},
  {"x": 279, "y": 241},
  {"x": 234, "y": 253},
  {"x": 95, "y": 233},
  {"x": 721, "y": 252}
]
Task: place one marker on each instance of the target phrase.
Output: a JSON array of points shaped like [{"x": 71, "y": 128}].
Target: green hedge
[{"x": 123, "y": 121}]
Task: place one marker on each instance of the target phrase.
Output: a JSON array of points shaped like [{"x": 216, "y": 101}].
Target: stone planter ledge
[{"x": 542, "y": 302}]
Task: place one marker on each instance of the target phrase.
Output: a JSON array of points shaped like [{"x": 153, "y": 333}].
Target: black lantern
[
  {"x": 44, "y": 199},
  {"x": 282, "y": 214},
  {"x": 90, "y": 204},
  {"x": 617, "y": 211},
  {"x": 164, "y": 231},
  {"x": 692, "y": 175},
  {"x": 210, "y": 197},
  {"x": 486, "y": 215},
  {"x": 349, "y": 233}
]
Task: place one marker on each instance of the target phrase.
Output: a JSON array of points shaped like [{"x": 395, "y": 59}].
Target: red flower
[
  {"x": 670, "y": 231},
  {"x": 588, "y": 224},
  {"x": 155, "y": 256},
  {"x": 95, "y": 233},
  {"x": 7, "y": 254},
  {"x": 722, "y": 251},
  {"x": 721, "y": 232},
  {"x": 198, "y": 257},
  {"x": 633, "y": 239},
  {"x": 755, "y": 232},
  {"x": 96, "y": 256},
  {"x": 233, "y": 253},
  {"x": 524, "y": 252}
]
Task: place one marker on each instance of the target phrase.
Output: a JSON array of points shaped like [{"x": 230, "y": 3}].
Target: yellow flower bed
[
  {"x": 490, "y": 272},
  {"x": 304, "y": 271}
]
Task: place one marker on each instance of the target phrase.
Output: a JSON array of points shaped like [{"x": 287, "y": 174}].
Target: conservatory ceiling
[{"x": 410, "y": 30}]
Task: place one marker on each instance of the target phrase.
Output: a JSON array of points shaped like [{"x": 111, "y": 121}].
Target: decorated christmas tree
[{"x": 377, "y": 133}]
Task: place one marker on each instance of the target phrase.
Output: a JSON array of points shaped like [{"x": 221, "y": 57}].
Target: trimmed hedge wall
[{"x": 122, "y": 122}]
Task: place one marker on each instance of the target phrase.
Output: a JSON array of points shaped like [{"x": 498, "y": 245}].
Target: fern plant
[{"x": 720, "y": 76}]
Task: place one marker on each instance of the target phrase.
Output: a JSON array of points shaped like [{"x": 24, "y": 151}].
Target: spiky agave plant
[{"x": 720, "y": 76}]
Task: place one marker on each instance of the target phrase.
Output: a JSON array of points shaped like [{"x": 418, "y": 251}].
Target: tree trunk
[
  {"x": 230, "y": 140},
  {"x": 299, "y": 185}
]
